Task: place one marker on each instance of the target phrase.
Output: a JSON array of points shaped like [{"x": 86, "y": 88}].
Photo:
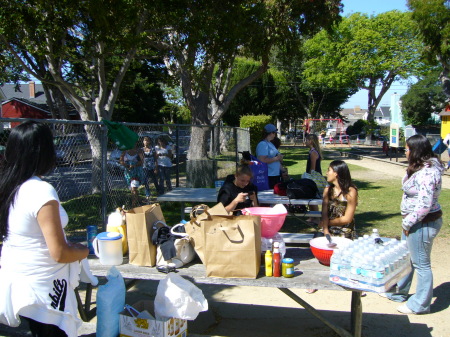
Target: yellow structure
[{"x": 445, "y": 121}]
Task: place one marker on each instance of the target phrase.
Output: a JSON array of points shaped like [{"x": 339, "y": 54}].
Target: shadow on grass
[
  {"x": 365, "y": 220},
  {"x": 366, "y": 185}
]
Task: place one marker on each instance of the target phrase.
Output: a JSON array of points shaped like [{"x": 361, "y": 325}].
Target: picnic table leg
[
  {"x": 356, "y": 320},
  {"x": 340, "y": 331}
]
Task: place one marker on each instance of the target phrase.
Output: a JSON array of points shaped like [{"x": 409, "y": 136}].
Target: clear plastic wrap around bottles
[{"x": 370, "y": 260}]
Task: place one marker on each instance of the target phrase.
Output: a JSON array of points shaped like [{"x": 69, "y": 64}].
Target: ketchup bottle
[{"x": 276, "y": 260}]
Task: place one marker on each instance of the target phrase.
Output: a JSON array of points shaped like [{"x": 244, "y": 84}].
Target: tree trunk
[
  {"x": 201, "y": 171},
  {"x": 94, "y": 136}
]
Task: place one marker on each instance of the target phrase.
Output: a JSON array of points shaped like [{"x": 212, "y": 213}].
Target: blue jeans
[
  {"x": 420, "y": 242},
  {"x": 448, "y": 151},
  {"x": 164, "y": 175},
  {"x": 150, "y": 174}
]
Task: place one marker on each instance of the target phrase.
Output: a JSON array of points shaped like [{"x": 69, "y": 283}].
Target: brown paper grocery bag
[
  {"x": 140, "y": 222},
  {"x": 232, "y": 246},
  {"x": 195, "y": 230}
]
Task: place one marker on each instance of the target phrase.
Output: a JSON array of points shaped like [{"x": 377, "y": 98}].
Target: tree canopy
[
  {"x": 422, "y": 99},
  {"x": 364, "y": 52},
  {"x": 200, "y": 49},
  {"x": 433, "y": 20}
]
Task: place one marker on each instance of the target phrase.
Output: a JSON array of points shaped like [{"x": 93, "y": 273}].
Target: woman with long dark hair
[
  {"x": 422, "y": 220},
  {"x": 339, "y": 204},
  {"x": 35, "y": 278}
]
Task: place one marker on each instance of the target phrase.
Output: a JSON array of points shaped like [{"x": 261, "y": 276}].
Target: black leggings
[{"x": 39, "y": 329}]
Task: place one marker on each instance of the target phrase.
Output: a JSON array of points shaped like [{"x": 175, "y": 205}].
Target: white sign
[{"x": 394, "y": 135}]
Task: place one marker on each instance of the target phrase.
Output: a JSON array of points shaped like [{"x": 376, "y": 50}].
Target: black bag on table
[{"x": 302, "y": 189}]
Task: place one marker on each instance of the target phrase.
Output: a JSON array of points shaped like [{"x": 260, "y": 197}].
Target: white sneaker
[{"x": 405, "y": 310}]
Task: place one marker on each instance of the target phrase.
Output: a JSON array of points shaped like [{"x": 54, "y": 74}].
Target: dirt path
[{"x": 384, "y": 169}]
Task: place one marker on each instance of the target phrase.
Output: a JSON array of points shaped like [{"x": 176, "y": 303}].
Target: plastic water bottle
[
  {"x": 378, "y": 272},
  {"x": 281, "y": 245},
  {"x": 345, "y": 263},
  {"x": 335, "y": 262},
  {"x": 355, "y": 269},
  {"x": 375, "y": 234}
]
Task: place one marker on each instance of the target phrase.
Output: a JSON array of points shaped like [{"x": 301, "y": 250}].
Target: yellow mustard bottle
[{"x": 268, "y": 263}]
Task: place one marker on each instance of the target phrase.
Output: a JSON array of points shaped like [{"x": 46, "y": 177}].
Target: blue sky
[{"x": 374, "y": 7}]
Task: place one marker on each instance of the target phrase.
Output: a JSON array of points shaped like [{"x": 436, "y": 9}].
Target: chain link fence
[{"x": 90, "y": 180}]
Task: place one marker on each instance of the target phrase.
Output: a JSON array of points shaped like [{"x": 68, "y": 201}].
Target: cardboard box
[
  {"x": 369, "y": 286},
  {"x": 139, "y": 327}
]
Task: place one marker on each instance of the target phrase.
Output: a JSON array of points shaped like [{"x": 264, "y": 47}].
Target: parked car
[
  {"x": 357, "y": 138},
  {"x": 341, "y": 139},
  {"x": 72, "y": 148}
]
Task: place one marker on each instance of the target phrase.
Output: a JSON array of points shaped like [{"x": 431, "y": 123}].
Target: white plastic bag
[
  {"x": 110, "y": 302},
  {"x": 178, "y": 298}
]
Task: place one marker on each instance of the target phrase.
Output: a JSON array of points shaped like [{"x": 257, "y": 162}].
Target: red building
[{"x": 26, "y": 101}]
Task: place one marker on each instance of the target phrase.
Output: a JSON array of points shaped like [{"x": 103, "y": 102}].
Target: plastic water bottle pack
[{"x": 370, "y": 261}]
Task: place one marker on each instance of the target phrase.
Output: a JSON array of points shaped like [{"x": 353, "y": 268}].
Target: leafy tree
[
  {"x": 422, "y": 99},
  {"x": 262, "y": 97},
  {"x": 10, "y": 69},
  {"x": 71, "y": 45},
  {"x": 433, "y": 20},
  {"x": 357, "y": 127},
  {"x": 310, "y": 100},
  {"x": 365, "y": 52},
  {"x": 175, "y": 110},
  {"x": 140, "y": 99},
  {"x": 200, "y": 48}
]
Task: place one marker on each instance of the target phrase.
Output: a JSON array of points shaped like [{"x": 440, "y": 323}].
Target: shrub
[{"x": 256, "y": 125}]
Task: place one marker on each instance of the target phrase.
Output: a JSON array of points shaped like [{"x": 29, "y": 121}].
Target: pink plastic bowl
[{"x": 270, "y": 223}]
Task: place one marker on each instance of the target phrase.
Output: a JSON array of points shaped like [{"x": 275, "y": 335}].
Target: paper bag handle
[
  {"x": 203, "y": 207},
  {"x": 233, "y": 227}
]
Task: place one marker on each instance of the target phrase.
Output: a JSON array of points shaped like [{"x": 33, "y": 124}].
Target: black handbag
[{"x": 302, "y": 189}]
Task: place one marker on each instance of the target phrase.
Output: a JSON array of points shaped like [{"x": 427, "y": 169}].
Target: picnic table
[
  {"x": 203, "y": 195},
  {"x": 309, "y": 273}
]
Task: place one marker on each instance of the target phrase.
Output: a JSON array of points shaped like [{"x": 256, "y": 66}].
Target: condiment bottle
[
  {"x": 268, "y": 262},
  {"x": 276, "y": 260},
  {"x": 287, "y": 268}
]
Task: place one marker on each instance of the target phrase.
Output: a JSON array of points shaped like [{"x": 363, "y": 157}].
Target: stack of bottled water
[{"x": 370, "y": 261}]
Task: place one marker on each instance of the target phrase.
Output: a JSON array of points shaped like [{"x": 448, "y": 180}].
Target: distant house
[
  {"x": 382, "y": 115},
  {"x": 352, "y": 115},
  {"x": 27, "y": 101}
]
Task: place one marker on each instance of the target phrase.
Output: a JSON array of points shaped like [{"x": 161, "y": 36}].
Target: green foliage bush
[{"x": 256, "y": 125}]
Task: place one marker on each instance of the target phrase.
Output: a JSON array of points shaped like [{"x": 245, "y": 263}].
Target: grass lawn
[{"x": 378, "y": 204}]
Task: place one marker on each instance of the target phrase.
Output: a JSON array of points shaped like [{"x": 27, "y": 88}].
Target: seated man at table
[{"x": 238, "y": 192}]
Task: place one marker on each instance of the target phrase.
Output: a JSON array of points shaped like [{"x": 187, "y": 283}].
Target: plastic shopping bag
[
  {"x": 121, "y": 135},
  {"x": 178, "y": 298},
  {"x": 110, "y": 302}
]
